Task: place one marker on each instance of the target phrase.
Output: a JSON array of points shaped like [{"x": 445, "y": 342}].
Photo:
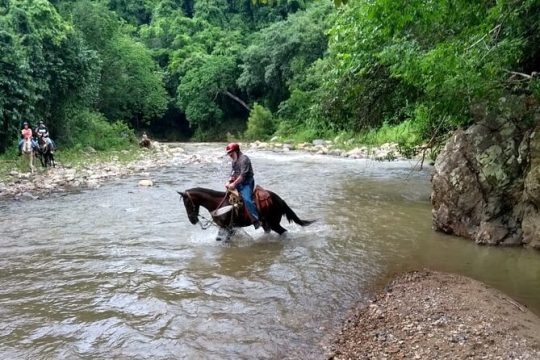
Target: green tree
[
  {"x": 260, "y": 124},
  {"x": 132, "y": 86},
  {"x": 204, "y": 88},
  {"x": 45, "y": 66},
  {"x": 134, "y": 11},
  {"x": 280, "y": 54},
  {"x": 386, "y": 60},
  {"x": 16, "y": 88}
]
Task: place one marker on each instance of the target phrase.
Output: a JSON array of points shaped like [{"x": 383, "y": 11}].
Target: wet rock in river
[{"x": 146, "y": 182}]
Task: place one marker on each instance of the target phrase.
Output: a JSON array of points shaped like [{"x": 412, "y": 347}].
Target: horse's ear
[{"x": 181, "y": 193}]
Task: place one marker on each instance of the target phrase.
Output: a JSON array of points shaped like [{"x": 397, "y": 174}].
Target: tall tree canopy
[{"x": 199, "y": 67}]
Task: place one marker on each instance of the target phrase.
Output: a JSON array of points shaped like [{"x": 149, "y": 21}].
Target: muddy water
[{"x": 119, "y": 272}]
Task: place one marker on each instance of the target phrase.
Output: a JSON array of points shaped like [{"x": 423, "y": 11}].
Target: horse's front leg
[
  {"x": 32, "y": 162},
  {"x": 224, "y": 234},
  {"x": 40, "y": 156}
]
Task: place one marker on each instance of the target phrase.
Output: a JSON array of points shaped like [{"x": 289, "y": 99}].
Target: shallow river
[{"x": 119, "y": 272}]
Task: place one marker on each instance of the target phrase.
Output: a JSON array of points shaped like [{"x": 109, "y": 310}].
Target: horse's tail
[{"x": 291, "y": 216}]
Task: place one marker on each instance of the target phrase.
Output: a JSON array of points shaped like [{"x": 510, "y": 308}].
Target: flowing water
[{"x": 119, "y": 272}]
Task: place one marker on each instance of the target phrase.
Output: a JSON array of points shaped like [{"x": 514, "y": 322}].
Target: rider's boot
[
  {"x": 256, "y": 224},
  {"x": 266, "y": 227}
]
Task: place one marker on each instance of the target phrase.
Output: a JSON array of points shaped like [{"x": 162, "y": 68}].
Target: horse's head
[{"x": 192, "y": 209}]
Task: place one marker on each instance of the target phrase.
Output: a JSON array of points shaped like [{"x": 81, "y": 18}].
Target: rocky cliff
[{"x": 486, "y": 181}]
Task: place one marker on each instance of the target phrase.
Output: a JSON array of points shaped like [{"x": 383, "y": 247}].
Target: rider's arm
[{"x": 237, "y": 181}]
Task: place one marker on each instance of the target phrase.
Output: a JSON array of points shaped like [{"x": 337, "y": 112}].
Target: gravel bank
[
  {"x": 64, "y": 178},
  {"x": 430, "y": 315}
]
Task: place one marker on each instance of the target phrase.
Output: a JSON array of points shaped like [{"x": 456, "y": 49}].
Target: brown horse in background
[{"x": 271, "y": 209}]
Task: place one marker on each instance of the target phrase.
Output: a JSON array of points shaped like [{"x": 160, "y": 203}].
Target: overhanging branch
[{"x": 238, "y": 100}]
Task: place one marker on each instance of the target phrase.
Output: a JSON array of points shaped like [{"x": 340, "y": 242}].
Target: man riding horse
[
  {"x": 243, "y": 180},
  {"x": 225, "y": 208},
  {"x": 43, "y": 133}
]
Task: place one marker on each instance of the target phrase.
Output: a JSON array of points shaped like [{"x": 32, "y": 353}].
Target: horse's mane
[{"x": 207, "y": 191}]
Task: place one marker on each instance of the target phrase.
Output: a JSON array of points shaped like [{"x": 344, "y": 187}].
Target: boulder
[{"x": 486, "y": 180}]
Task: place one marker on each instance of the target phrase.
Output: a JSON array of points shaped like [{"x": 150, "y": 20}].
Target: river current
[{"x": 119, "y": 272}]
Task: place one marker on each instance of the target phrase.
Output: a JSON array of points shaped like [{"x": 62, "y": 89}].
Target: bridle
[{"x": 207, "y": 222}]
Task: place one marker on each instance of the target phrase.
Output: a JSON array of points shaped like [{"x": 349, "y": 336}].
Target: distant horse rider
[
  {"x": 145, "y": 141},
  {"x": 26, "y": 134},
  {"x": 243, "y": 180},
  {"x": 43, "y": 132}
]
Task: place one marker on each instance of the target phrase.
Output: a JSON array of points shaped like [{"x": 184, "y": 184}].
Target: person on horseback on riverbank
[
  {"x": 242, "y": 179},
  {"x": 26, "y": 135},
  {"x": 43, "y": 132}
]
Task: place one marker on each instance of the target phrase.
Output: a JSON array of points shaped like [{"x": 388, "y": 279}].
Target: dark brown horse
[
  {"x": 45, "y": 152},
  {"x": 270, "y": 211}
]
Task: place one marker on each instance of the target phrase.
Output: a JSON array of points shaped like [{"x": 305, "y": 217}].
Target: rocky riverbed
[
  {"x": 62, "y": 178},
  {"x": 65, "y": 177},
  {"x": 430, "y": 315}
]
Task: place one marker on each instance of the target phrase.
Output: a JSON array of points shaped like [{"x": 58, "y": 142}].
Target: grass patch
[
  {"x": 78, "y": 158},
  {"x": 406, "y": 133}
]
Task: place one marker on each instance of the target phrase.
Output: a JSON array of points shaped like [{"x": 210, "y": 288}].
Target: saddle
[{"x": 263, "y": 199}]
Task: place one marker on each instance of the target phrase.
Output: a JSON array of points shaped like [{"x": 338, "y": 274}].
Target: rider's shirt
[
  {"x": 42, "y": 131},
  {"x": 242, "y": 166},
  {"x": 27, "y": 134}
]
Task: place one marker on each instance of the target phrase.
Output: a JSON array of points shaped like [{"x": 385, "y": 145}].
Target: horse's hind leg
[
  {"x": 51, "y": 159},
  {"x": 266, "y": 227},
  {"x": 278, "y": 228}
]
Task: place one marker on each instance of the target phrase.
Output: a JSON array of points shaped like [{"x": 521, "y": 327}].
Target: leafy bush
[
  {"x": 260, "y": 124},
  {"x": 92, "y": 129}
]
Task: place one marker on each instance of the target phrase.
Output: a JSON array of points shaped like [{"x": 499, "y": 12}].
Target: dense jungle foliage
[{"x": 99, "y": 72}]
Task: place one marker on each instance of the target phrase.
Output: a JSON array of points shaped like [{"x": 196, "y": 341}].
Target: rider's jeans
[
  {"x": 246, "y": 191},
  {"x": 21, "y": 142}
]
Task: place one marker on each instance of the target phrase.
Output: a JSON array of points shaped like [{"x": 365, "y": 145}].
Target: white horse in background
[{"x": 28, "y": 151}]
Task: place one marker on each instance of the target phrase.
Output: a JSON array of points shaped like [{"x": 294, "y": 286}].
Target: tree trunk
[
  {"x": 4, "y": 133},
  {"x": 238, "y": 100}
]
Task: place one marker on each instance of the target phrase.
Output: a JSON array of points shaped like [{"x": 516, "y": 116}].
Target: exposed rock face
[{"x": 486, "y": 181}]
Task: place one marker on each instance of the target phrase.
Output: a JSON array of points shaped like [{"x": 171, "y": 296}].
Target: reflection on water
[
  {"x": 120, "y": 273},
  {"x": 391, "y": 218}
]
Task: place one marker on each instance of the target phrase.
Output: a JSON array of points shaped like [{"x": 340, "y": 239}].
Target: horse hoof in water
[{"x": 224, "y": 235}]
